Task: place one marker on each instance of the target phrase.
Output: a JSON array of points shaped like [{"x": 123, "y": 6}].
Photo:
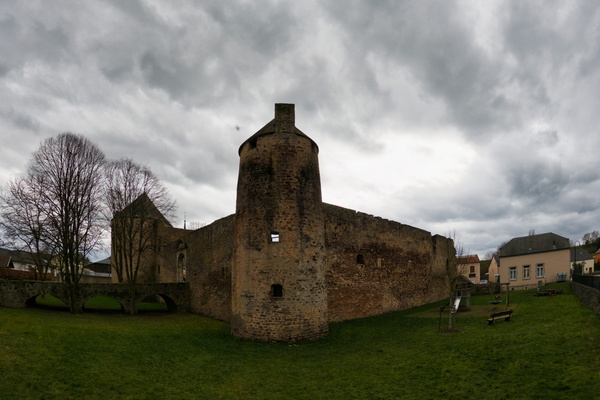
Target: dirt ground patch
[{"x": 475, "y": 311}]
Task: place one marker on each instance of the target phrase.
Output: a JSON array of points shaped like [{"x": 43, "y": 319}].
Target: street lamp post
[{"x": 575, "y": 259}]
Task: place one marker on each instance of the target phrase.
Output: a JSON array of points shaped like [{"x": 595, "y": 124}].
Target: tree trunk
[{"x": 133, "y": 309}]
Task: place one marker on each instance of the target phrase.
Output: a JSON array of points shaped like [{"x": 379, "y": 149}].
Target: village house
[
  {"x": 584, "y": 259},
  {"x": 532, "y": 261},
  {"x": 470, "y": 267}
]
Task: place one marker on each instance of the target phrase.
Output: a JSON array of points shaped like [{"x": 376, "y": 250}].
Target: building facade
[
  {"x": 582, "y": 261},
  {"x": 533, "y": 261},
  {"x": 470, "y": 267}
]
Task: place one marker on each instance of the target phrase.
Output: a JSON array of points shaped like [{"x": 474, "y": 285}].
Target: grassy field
[
  {"x": 548, "y": 351},
  {"x": 97, "y": 304}
]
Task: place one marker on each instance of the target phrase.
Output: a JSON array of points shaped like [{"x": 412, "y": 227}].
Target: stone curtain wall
[
  {"x": 375, "y": 265},
  {"x": 209, "y": 256},
  {"x": 396, "y": 273},
  {"x": 588, "y": 295}
]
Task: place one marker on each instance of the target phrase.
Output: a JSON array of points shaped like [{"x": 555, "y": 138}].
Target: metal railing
[{"x": 588, "y": 280}]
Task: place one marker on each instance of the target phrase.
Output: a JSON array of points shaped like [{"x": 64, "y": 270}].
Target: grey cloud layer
[{"x": 181, "y": 87}]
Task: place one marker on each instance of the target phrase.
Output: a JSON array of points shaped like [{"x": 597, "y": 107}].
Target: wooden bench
[
  {"x": 549, "y": 292},
  {"x": 500, "y": 315}
]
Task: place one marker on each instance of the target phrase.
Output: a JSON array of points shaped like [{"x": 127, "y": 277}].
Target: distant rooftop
[
  {"x": 472, "y": 258},
  {"x": 534, "y": 244},
  {"x": 582, "y": 254}
]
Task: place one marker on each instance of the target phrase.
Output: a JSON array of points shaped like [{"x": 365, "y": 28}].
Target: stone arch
[
  {"x": 24, "y": 294},
  {"x": 91, "y": 296},
  {"x": 32, "y": 301},
  {"x": 169, "y": 302}
]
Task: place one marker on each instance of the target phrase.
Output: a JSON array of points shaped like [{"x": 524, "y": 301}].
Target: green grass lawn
[
  {"x": 98, "y": 304},
  {"x": 548, "y": 351}
]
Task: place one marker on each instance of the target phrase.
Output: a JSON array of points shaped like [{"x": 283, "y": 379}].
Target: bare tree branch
[
  {"x": 23, "y": 220},
  {"x": 136, "y": 202},
  {"x": 56, "y": 207}
]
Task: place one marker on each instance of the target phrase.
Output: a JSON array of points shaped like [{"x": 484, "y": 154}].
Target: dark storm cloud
[
  {"x": 437, "y": 47},
  {"x": 485, "y": 91},
  {"x": 536, "y": 182},
  {"x": 22, "y": 120},
  {"x": 29, "y": 40},
  {"x": 210, "y": 59}
]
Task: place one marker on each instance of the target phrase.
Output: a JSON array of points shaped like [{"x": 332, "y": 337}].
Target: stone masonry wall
[
  {"x": 588, "y": 295},
  {"x": 279, "y": 287},
  {"x": 19, "y": 294},
  {"x": 209, "y": 258},
  {"x": 376, "y": 265},
  {"x": 396, "y": 274}
]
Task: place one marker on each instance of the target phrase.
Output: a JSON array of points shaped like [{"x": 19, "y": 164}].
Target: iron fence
[{"x": 588, "y": 280}]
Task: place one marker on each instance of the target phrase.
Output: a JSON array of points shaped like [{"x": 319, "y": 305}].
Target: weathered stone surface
[
  {"x": 375, "y": 265},
  {"x": 285, "y": 264},
  {"x": 20, "y": 294},
  {"x": 279, "y": 291},
  {"x": 588, "y": 295}
]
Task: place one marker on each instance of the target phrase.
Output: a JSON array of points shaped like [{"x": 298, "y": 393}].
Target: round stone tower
[{"x": 278, "y": 279}]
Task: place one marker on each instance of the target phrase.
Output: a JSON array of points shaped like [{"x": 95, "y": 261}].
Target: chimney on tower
[{"x": 284, "y": 118}]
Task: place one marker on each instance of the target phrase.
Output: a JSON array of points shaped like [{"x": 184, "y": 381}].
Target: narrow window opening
[
  {"x": 274, "y": 237},
  {"x": 276, "y": 290},
  {"x": 181, "y": 268},
  {"x": 252, "y": 144}
]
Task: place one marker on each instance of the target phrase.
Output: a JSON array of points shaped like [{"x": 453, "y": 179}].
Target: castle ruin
[{"x": 286, "y": 264}]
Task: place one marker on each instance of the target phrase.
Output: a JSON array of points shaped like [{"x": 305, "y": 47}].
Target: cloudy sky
[{"x": 479, "y": 117}]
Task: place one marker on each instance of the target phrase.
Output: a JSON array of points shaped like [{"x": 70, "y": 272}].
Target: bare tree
[
  {"x": 67, "y": 172},
  {"x": 452, "y": 275},
  {"x": 494, "y": 253},
  {"x": 23, "y": 220},
  {"x": 137, "y": 201}
]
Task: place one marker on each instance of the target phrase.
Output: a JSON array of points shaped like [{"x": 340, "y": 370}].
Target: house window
[
  {"x": 540, "y": 270},
  {"x": 526, "y": 273},
  {"x": 276, "y": 290},
  {"x": 274, "y": 237},
  {"x": 472, "y": 269},
  {"x": 360, "y": 259},
  {"x": 512, "y": 273}
]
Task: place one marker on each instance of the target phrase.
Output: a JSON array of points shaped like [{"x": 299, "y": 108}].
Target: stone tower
[{"x": 278, "y": 279}]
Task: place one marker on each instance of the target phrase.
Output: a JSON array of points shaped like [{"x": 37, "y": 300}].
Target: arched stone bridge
[{"x": 20, "y": 294}]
